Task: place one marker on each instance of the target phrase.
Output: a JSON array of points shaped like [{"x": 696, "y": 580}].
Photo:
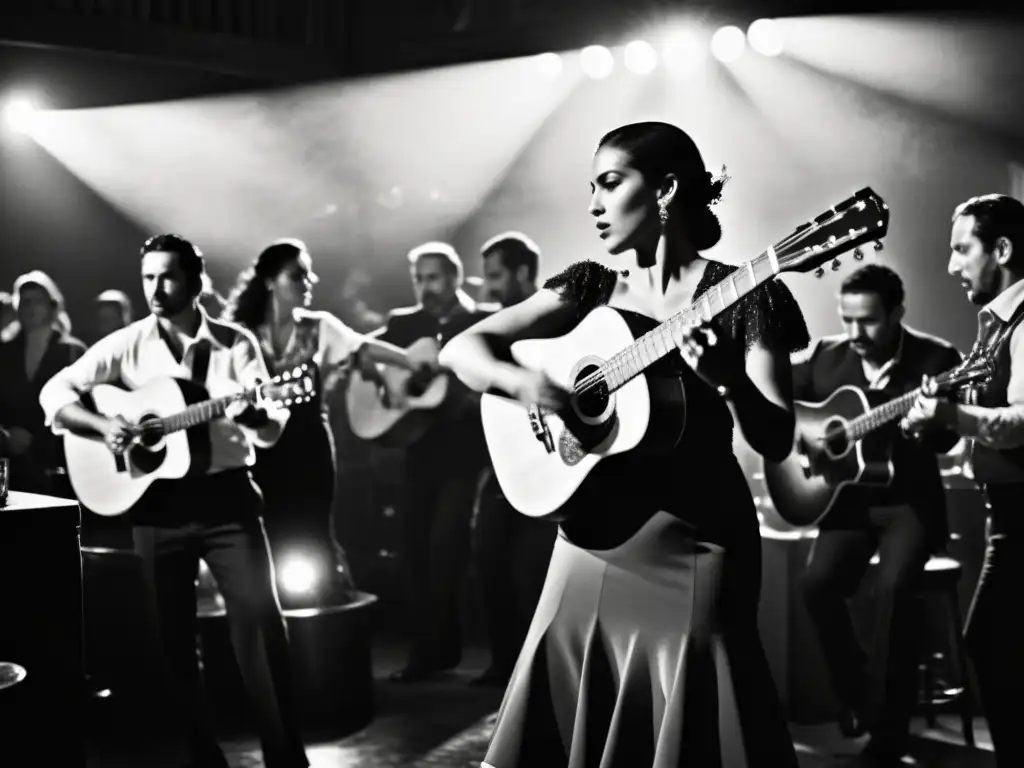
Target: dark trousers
[
  {"x": 512, "y": 554},
  {"x": 216, "y": 518},
  {"x": 436, "y": 513},
  {"x": 880, "y": 682},
  {"x": 995, "y": 647},
  {"x": 297, "y": 478}
]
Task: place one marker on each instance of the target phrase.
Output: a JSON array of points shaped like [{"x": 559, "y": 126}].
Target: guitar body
[
  {"x": 370, "y": 418},
  {"x": 805, "y": 486},
  {"x": 647, "y": 413},
  {"x": 109, "y": 485}
]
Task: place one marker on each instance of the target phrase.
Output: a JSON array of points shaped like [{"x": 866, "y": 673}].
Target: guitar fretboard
[
  {"x": 658, "y": 342},
  {"x": 200, "y": 413},
  {"x": 883, "y": 414}
]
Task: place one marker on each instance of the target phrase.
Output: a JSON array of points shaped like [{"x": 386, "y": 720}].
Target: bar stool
[{"x": 939, "y": 580}]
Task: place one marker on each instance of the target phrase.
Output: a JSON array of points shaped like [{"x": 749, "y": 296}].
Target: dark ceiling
[{"x": 281, "y": 41}]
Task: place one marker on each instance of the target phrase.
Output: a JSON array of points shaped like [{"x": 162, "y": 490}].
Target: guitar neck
[
  {"x": 200, "y": 413},
  {"x": 658, "y": 342},
  {"x": 877, "y": 417}
]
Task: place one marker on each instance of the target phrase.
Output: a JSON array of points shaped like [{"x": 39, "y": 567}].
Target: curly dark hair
[
  {"x": 658, "y": 149},
  {"x": 247, "y": 304}
]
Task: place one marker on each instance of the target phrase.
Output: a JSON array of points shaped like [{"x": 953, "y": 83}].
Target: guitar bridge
[{"x": 540, "y": 429}]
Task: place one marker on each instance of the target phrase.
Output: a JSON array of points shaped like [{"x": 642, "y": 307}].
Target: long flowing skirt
[{"x": 644, "y": 655}]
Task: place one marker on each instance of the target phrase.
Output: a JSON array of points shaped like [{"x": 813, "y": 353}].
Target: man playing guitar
[
  {"x": 987, "y": 244},
  {"x": 213, "y": 515},
  {"x": 903, "y": 522},
  {"x": 513, "y": 550},
  {"x": 441, "y": 467}
]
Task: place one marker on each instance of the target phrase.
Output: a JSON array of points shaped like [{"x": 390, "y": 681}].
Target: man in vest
[{"x": 987, "y": 257}]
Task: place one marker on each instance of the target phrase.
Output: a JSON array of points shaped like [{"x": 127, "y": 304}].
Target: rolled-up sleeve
[
  {"x": 1001, "y": 428},
  {"x": 250, "y": 370},
  {"x": 99, "y": 364},
  {"x": 337, "y": 340}
]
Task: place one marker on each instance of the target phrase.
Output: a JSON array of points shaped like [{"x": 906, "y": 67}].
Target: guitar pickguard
[{"x": 572, "y": 448}]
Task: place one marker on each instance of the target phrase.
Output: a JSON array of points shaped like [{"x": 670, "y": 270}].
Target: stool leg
[
  {"x": 958, "y": 647},
  {"x": 927, "y": 669}
]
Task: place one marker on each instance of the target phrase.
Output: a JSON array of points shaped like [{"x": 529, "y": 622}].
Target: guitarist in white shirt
[
  {"x": 986, "y": 246},
  {"x": 214, "y": 516}
]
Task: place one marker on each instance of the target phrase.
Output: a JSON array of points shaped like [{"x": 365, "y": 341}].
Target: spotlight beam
[{"x": 1007, "y": 141}]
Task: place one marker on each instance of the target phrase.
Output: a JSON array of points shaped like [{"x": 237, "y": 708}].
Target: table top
[{"x": 20, "y": 501}]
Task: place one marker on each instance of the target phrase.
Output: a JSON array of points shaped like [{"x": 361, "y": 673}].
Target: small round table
[{"x": 11, "y": 674}]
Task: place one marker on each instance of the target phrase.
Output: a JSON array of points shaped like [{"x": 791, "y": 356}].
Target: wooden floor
[{"x": 445, "y": 724}]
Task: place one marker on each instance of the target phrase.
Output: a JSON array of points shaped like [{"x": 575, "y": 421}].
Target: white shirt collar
[
  {"x": 203, "y": 332},
  {"x": 1005, "y": 304},
  {"x": 878, "y": 378}
]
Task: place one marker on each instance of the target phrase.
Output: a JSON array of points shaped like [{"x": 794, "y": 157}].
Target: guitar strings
[
  {"x": 600, "y": 376},
  {"x": 963, "y": 371}
]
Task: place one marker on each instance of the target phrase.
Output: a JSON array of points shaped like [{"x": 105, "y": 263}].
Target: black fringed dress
[{"x": 644, "y": 649}]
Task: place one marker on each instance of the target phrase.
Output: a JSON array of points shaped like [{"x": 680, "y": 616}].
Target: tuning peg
[
  {"x": 858, "y": 254},
  {"x": 819, "y": 272},
  {"x": 878, "y": 246},
  {"x": 836, "y": 265}
]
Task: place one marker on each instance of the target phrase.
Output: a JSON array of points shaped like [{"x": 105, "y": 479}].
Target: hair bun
[
  {"x": 715, "y": 186},
  {"x": 706, "y": 191},
  {"x": 705, "y": 229}
]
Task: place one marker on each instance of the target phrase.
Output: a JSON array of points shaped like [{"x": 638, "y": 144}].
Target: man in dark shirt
[
  {"x": 903, "y": 522},
  {"x": 513, "y": 550},
  {"x": 441, "y": 468},
  {"x": 987, "y": 256}
]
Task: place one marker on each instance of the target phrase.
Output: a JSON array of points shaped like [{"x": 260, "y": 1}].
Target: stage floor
[{"x": 446, "y": 724}]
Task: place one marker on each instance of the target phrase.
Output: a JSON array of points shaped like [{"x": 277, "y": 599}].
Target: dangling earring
[{"x": 663, "y": 211}]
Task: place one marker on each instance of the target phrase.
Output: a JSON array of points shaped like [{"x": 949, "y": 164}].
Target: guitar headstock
[
  {"x": 860, "y": 219},
  {"x": 976, "y": 370},
  {"x": 289, "y": 387}
]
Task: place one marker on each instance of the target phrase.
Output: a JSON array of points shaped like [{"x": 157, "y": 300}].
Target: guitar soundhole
[
  {"x": 837, "y": 442},
  {"x": 151, "y": 434},
  {"x": 592, "y": 401}
]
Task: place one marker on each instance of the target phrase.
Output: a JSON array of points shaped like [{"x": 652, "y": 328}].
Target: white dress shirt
[{"x": 137, "y": 354}]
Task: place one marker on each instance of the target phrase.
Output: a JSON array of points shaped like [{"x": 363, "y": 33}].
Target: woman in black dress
[
  {"x": 644, "y": 649},
  {"x": 297, "y": 475},
  {"x": 32, "y": 351}
]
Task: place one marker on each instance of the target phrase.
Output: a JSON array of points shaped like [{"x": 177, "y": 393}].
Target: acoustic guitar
[
  {"x": 373, "y": 417},
  {"x": 835, "y": 445},
  {"x": 542, "y": 458},
  {"x": 170, "y": 438}
]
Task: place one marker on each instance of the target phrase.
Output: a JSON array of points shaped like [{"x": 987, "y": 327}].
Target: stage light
[
  {"x": 549, "y": 65},
  {"x": 640, "y": 57},
  {"x": 298, "y": 575},
  {"x": 765, "y": 37},
  {"x": 681, "y": 53},
  {"x": 728, "y": 43},
  {"x": 597, "y": 62},
  {"x": 20, "y": 113}
]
